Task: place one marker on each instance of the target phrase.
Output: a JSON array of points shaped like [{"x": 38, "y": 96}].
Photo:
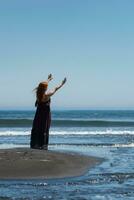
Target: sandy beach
[{"x": 24, "y": 163}]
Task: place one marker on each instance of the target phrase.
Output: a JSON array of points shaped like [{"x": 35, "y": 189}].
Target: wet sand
[{"x": 24, "y": 163}]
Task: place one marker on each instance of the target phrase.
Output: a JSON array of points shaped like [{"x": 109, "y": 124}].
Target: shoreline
[{"x": 26, "y": 163}]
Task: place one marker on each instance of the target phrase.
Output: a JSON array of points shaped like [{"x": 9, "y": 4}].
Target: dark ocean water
[{"x": 106, "y": 134}]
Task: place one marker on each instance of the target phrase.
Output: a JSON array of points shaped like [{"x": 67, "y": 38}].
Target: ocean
[{"x": 103, "y": 133}]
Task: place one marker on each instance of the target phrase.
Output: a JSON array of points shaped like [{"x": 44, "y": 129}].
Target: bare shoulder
[
  {"x": 46, "y": 97},
  {"x": 50, "y": 93}
]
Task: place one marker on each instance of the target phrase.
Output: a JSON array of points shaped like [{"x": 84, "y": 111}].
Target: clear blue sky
[{"x": 89, "y": 41}]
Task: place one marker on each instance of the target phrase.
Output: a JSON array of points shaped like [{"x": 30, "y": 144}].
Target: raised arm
[
  {"x": 50, "y": 77},
  {"x": 57, "y": 88}
]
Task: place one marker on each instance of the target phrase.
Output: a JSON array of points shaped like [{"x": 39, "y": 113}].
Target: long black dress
[{"x": 41, "y": 125}]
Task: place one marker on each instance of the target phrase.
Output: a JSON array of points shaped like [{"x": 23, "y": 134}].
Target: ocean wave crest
[
  {"x": 67, "y": 123},
  {"x": 107, "y": 132}
]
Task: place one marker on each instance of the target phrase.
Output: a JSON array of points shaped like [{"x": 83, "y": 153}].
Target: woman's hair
[{"x": 42, "y": 87}]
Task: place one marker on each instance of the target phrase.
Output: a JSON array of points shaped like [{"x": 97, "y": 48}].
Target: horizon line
[{"x": 67, "y": 108}]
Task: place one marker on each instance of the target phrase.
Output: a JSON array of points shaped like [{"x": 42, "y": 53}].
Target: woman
[{"x": 42, "y": 119}]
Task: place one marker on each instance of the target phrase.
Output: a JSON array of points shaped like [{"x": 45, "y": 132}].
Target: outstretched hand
[
  {"x": 64, "y": 81},
  {"x": 50, "y": 77}
]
